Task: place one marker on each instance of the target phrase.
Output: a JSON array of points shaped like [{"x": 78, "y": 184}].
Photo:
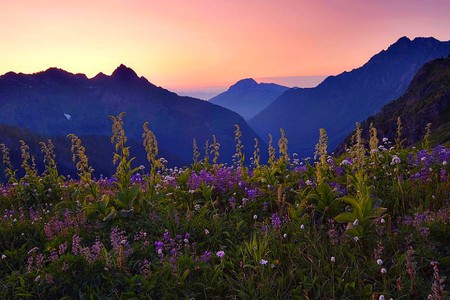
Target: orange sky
[{"x": 188, "y": 44}]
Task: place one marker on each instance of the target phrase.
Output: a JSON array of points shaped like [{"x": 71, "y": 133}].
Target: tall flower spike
[
  {"x": 49, "y": 156},
  {"x": 215, "y": 146},
  {"x": 271, "y": 150},
  {"x": 321, "y": 154},
  {"x": 30, "y": 169},
  {"x": 256, "y": 156},
  {"x": 206, "y": 158},
  {"x": 195, "y": 152},
  {"x": 9, "y": 170},
  {"x": 80, "y": 158},
  {"x": 426, "y": 138},
  {"x": 239, "y": 146},
  {"x": 398, "y": 140},
  {"x": 373, "y": 142},
  {"x": 357, "y": 150},
  {"x": 283, "y": 147},
  {"x": 151, "y": 146}
]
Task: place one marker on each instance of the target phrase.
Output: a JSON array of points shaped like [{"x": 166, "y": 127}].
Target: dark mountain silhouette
[
  {"x": 427, "y": 100},
  {"x": 340, "y": 101},
  {"x": 54, "y": 103},
  {"x": 248, "y": 98}
]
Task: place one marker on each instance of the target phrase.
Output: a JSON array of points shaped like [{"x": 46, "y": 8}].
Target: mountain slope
[
  {"x": 340, "y": 101},
  {"x": 55, "y": 103},
  {"x": 427, "y": 100},
  {"x": 248, "y": 98}
]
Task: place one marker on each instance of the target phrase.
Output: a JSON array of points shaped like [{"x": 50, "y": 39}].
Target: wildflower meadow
[{"x": 371, "y": 223}]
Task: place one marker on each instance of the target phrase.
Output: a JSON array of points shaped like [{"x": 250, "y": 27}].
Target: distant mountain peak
[
  {"x": 122, "y": 72},
  {"x": 100, "y": 76},
  {"x": 405, "y": 43},
  {"x": 403, "y": 39},
  {"x": 247, "y": 97},
  {"x": 55, "y": 72},
  {"x": 58, "y": 75},
  {"x": 244, "y": 84}
]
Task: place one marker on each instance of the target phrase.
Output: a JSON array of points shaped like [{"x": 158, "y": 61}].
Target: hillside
[
  {"x": 427, "y": 100},
  {"x": 340, "y": 101}
]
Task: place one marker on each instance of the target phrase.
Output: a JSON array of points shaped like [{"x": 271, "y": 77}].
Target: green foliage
[
  {"x": 285, "y": 230},
  {"x": 361, "y": 220}
]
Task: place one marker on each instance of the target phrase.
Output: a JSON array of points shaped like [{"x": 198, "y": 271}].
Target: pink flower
[{"x": 220, "y": 254}]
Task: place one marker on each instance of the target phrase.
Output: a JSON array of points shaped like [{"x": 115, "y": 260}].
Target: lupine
[{"x": 276, "y": 222}]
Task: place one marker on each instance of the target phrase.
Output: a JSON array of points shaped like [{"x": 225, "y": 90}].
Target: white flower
[
  {"x": 285, "y": 235},
  {"x": 159, "y": 251},
  {"x": 383, "y": 271},
  {"x": 3, "y": 256},
  {"x": 255, "y": 217},
  {"x": 381, "y": 297},
  {"x": 379, "y": 262},
  {"x": 345, "y": 163},
  {"x": 382, "y": 221},
  {"x": 206, "y": 231},
  {"x": 356, "y": 222},
  {"x": 308, "y": 182},
  {"x": 333, "y": 259},
  {"x": 356, "y": 238},
  {"x": 395, "y": 160},
  {"x": 302, "y": 227},
  {"x": 444, "y": 163},
  {"x": 385, "y": 139},
  {"x": 263, "y": 262}
]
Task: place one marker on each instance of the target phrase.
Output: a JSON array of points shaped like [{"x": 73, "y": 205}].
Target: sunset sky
[{"x": 193, "y": 44}]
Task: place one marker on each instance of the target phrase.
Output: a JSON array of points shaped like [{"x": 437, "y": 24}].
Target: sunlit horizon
[{"x": 209, "y": 43}]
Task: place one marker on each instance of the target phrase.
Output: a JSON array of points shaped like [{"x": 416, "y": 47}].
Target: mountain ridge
[
  {"x": 427, "y": 100},
  {"x": 38, "y": 102},
  {"x": 341, "y": 100},
  {"x": 247, "y": 97}
]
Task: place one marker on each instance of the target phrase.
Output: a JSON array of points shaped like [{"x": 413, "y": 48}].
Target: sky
[{"x": 201, "y": 46}]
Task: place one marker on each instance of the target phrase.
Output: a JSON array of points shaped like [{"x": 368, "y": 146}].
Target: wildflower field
[{"x": 372, "y": 223}]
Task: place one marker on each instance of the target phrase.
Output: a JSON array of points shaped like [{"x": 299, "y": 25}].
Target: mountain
[
  {"x": 54, "y": 103},
  {"x": 427, "y": 100},
  {"x": 340, "y": 101},
  {"x": 248, "y": 98}
]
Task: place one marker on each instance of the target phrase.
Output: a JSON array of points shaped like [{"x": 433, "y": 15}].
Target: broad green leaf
[{"x": 345, "y": 217}]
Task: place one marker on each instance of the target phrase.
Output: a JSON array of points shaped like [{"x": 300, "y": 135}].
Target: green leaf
[
  {"x": 345, "y": 217},
  {"x": 352, "y": 201},
  {"x": 185, "y": 275},
  {"x": 112, "y": 214}
]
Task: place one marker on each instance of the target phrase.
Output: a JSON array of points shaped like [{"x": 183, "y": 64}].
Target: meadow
[{"x": 372, "y": 223}]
